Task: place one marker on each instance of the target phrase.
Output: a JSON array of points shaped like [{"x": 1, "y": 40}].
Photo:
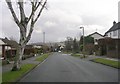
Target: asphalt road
[{"x": 64, "y": 68}]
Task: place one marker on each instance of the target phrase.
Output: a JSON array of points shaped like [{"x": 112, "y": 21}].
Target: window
[
  {"x": 110, "y": 34},
  {"x": 119, "y": 33},
  {"x": 114, "y": 33},
  {"x": 96, "y": 40},
  {"x": 0, "y": 50}
]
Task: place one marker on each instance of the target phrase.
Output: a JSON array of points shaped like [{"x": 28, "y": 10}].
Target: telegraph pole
[{"x": 43, "y": 37}]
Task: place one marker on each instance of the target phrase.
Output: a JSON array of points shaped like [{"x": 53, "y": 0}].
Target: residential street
[{"x": 64, "y": 68}]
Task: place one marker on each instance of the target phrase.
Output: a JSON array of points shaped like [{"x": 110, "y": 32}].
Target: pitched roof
[
  {"x": 96, "y": 33},
  {"x": 114, "y": 27},
  {"x": 12, "y": 43},
  {"x": 1, "y": 42}
]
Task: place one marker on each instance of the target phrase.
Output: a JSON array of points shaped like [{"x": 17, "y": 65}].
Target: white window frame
[{"x": 115, "y": 33}]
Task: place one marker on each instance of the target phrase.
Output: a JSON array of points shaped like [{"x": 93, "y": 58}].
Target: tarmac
[{"x": 8, "y": 67}]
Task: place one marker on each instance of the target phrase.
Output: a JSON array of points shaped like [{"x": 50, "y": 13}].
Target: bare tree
[{"x": 37, "y": 7}]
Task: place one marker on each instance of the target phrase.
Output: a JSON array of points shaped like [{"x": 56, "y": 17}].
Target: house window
[
  {"x": 96, "y": 40},
  {"x": 0, "y": 50},
  {"x": 110, "y": 34},
  {"x": 119, "y": 33},
  {"x": 114, "y": 33}
]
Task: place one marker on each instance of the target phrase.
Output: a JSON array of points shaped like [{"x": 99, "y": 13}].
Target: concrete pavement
[{"x": 31, "y": 60}]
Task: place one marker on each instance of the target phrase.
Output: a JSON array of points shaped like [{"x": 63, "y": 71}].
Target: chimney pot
[{"x": 114, "y": 23}]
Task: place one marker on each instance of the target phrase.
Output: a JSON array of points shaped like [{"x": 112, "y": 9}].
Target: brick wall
[{"x": 112, "y": 47}]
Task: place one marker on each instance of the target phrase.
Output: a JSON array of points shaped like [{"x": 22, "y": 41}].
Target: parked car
[{"x": 59, "y": 51}]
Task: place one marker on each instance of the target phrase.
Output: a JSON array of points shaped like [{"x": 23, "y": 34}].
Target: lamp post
[{"x": 83, "y": 42}]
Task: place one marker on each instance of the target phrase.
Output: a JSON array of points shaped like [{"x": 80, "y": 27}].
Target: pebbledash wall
[
  {"x": 116, "y": 48},
  {"x": 109, "y": 47}
]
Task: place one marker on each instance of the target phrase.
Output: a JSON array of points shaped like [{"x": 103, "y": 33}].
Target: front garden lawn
[
  {"x": 111, "y": 63},
  {"x": 78, "y": 55},
  {"x": 12, "y": 76},
  {"x": 42, "y": 57}
]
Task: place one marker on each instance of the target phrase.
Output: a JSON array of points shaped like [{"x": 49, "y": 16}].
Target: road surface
[{"x": 65, "y": 68}]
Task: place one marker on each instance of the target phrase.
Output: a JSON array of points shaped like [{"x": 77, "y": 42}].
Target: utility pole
[{"x": 43, "y": 37}]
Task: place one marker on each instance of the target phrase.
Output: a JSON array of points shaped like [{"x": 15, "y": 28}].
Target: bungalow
[
  {"x": 93, "y": 48},
  {"x": 9, "y": 51},
  {"x": 1, "y": 43},
  {"x": 3, "y": 48},
  {"x": 96, "y": 37}
]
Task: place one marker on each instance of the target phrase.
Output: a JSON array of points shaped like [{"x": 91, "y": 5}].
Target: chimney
[
  {"x": 119, "y": 11},
  {"x": 114, "y": 23}
]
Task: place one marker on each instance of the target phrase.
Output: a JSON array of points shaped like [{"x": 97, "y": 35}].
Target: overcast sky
[{"x": 63, "y": 18}]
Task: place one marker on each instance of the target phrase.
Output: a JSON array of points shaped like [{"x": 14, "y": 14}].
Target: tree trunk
[
  {"x": 23, "y": 24},
  {"x": 18, "y": 58}
]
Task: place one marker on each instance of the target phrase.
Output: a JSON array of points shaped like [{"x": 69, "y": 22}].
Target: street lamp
[{"x": 83, "y": 42}]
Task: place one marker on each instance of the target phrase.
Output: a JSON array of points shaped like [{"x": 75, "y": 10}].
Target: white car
[
  {"x": 59, "y": 51},
  {"x": 2, "y": 58}
]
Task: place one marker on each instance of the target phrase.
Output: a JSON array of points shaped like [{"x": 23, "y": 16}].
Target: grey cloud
[
  {"x": 62, "y": 19},
  {"x": 98, "y": 20}
]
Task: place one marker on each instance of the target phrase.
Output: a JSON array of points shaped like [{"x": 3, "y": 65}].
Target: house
[
  {"x": 114, "y": 31},
  {"x": 3, "y": 48},
  {"x": 96, "y": 37},
  {"x": 42, "y": 47},
  {"x": 91, "y": 47},
  {"x": 8, "y": 48},
  {"x": 1, "y": 43},
  {"x": 110, "y": 44}
]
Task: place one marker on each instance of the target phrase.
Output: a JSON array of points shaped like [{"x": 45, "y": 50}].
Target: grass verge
[
  {"x": 42, "y": 58},
  {"x": 12, "y": 76},
  {"x": 0, "y": 77},
  {"x": 67, "y": 52},
  {"x": 111, "y": 63},
  {"x": 78, "y": 55}
]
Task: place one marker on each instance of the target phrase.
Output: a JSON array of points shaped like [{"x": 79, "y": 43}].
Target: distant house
[
  {"x": 114, "y": 31},
  {"x": 42, "y": 47},
  {"x": 55, "y": 46},
  {"x": 96, "y": 37}
]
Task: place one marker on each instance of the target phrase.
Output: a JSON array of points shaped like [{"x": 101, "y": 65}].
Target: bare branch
[
  {"x": 31, "y": 26},
  {"x": 35, "y": 3},
  {"x": 29, "y": 35},
  {"x": 43, "y": 6},
  {"x": 35, "y": 8},
  {"x": 30, "y": 32},
  {"x": 22, "y": 13},
  {"x": 9, "y": 3},
  {"x": 31, "y": 12},
  {"x": 38, "y": 5}
]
